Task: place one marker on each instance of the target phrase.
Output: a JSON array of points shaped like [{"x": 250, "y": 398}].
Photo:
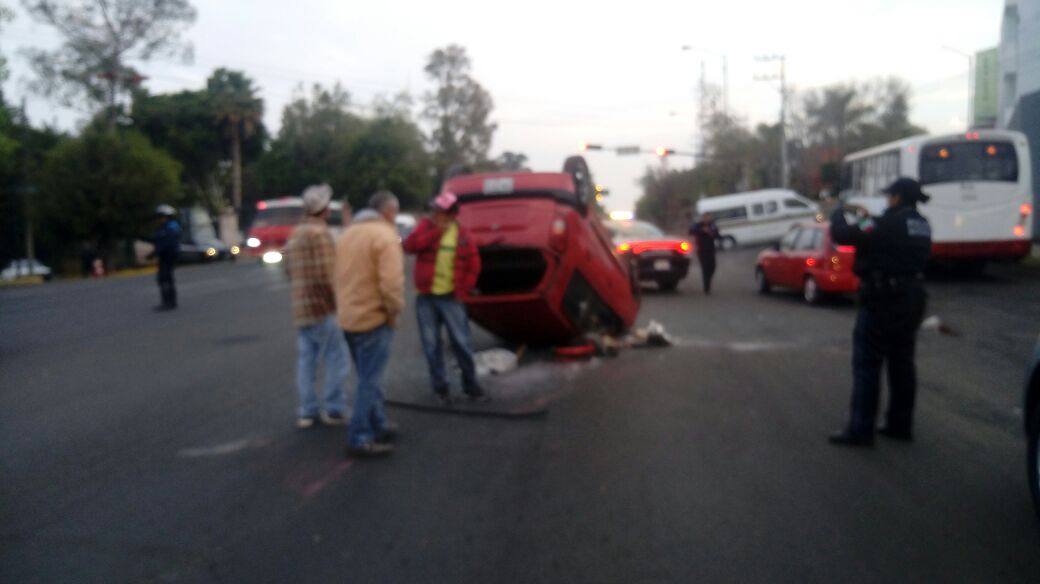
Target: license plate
[{"x": 662, "y": 265}]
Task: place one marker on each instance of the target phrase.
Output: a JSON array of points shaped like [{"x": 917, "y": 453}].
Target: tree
[
  {"x": 457, "y": 110},
  {"x": 6, "y": 15},
  {"x": 512, "y": 161},
  {"x": 103, "y": 187},
  {"x": 239, "y": 111},
  {"x": 100, "y": 38}
]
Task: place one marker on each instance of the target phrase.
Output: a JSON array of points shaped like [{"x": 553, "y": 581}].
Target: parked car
[
  {"x": 24, "y": 268},
  {"x": 1031, "y": 413},
  {"x": 757, "y": 216},
  {"x": 550, "y": 272},
  {"x": 806, "y": 259},
  {"x": 656, "y": 257},
  {"x": 274, "y": 222}
]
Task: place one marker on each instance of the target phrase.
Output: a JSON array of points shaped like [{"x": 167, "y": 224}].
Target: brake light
[
  {"x": 846, "y": 249},
  {"x": 1026, "y": 209},
  {"x": 261, "y": 205},
  {"x": 1020, "y": 231},
  {"x": 810, "y": 262},
  {"x": 684, "y": 247},
  {"x": 558, "y": 233},
  {"x": 624, "y": 248}
]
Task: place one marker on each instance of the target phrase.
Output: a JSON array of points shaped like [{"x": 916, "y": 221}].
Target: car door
[
  {"x": 774, "y": 264},
  {"x": 803, "y": 253}
]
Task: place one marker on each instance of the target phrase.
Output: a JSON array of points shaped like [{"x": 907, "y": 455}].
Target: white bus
[
  {"x": 980, "y": 184},
  {"x": 757, "y": 216}
]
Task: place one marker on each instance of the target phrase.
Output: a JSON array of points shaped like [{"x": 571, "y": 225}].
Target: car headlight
[
  {"x": 211, "y": 251},
  {"x": 235, "y": 250},
  {"x": 253, "y": 242},
  {"x": 272, "y": 257}
]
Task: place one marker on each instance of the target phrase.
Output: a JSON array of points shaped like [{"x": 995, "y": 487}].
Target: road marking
[
  {"x": 312, "y": 488},
  {"x": 224, "y": 449}
]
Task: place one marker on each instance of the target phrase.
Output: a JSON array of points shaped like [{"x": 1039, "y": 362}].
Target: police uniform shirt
[{"x": 897, "y": 243}]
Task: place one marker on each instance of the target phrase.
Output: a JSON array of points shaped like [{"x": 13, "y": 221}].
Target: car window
[
  {"x": 805, "y": 240},
  {"x": 787, "y": 242},
  {"x": 795, "y": 204},
  {"x": 772, "y": 207},
  {"x": 635, "y": 230}
]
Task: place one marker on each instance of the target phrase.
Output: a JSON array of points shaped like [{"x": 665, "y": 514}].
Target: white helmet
[{"x": 165, "y": 210}]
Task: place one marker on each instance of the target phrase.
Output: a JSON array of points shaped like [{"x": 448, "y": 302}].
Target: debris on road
[
  {"x": 496, "y": 361},
  {"x": 934, "y": 323}
]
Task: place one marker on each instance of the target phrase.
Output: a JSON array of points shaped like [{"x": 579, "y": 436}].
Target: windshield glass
[
  {"x": 969, "y": 161},
  {"x": 278, "y": 216},
  {"x": 634, "y": 230}
]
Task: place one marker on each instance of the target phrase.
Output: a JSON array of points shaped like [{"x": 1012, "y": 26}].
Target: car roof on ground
[{"x": 475, "y": 184}]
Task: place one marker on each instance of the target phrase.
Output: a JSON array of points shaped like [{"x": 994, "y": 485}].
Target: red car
[
  {"x": 655, "y": 256},
  {"x": 807, "y": 260},
  {"x": 274, "y": 222},
  {"x": 549, "y": 269}
]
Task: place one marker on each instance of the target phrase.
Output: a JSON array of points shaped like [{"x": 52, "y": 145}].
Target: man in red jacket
[{"x": 447, "y": 265}]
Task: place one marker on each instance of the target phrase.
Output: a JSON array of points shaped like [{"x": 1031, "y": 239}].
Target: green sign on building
[{"x": 987, "y": 76}]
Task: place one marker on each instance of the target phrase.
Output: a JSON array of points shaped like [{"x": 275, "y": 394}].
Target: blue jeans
[
  {"x": 370, "y": 352},
  {"x": 314, "y": 342},
  {"x": 434, "y": 311}
]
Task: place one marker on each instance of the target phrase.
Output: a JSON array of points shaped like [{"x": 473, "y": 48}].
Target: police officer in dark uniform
[
  {"x": 705, "y": 234},
  {"x": 167, "y": 241},
  {"x": 891, "y": 253}
]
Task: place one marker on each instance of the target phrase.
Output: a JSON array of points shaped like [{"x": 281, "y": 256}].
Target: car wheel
[
  {"x": 811, "y": 291},
  {"x": 727, "y": 243},
  {"x": 764, "y": 287},
  {"x": 1033, "y": 456},
  {"x": 667, "y": 285}
]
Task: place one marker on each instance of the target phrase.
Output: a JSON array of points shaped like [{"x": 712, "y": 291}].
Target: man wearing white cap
[
  {"x": 310, "y": 258},
  {"x": 447, "y": 265}
]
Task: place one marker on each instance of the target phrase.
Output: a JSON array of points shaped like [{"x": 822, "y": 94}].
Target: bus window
[{"x": 969, "y": 161}]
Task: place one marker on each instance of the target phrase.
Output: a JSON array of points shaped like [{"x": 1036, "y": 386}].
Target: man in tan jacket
[{"x": 369, "y": 281}]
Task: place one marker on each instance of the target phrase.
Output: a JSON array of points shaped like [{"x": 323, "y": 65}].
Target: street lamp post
[{"x": 785, "y": 177}]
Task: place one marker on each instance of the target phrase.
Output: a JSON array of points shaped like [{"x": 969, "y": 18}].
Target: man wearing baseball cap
[
  {"x": 447, "y": 265},
  {"x": 310, "y": 256},
  {"x": 891, "y": 253}
]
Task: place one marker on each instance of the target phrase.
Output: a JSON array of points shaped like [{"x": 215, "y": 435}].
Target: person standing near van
[
  {"x": 891, "y": 253},
  {"x": 705, "y": 233},
  {"x": 167, "y": 241},
  {"x": 309, "y": 261},
  {"x": 447, "y": 265}
]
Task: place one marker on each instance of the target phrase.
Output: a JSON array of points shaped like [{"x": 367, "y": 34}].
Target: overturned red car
[{"x": 550, "y": 271}]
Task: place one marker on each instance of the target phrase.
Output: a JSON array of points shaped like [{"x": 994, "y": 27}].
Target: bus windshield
[
  {"x": 969, "y": 161},
  {"x": 278, "y": 216}
]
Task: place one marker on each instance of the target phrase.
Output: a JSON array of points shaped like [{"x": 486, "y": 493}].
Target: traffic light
[{"x": 662, "y": 151}]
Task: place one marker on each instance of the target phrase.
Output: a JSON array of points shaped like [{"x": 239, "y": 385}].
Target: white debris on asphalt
[{"x": 495, "y": 361}]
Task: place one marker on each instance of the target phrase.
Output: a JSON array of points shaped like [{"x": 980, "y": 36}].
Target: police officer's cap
[{"x": 908, "y": 189}]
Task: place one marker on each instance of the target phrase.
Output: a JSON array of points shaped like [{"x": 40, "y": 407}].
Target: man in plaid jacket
[{"x": 310, "y": 255}]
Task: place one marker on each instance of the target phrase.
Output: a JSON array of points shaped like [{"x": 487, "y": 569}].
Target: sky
[{"x": 565, "y": 72}]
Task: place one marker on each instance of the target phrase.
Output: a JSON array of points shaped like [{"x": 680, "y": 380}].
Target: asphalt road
[{"x": 144, "y": 447}]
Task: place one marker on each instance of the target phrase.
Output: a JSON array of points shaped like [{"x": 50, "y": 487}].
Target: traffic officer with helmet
[
  {"x": 167, "y": 241},
  {"x": 891, "y": 253}
]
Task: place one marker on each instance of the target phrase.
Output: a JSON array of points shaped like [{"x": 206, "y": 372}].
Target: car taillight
[
  {"x": 846, "y": 249},
  {"x": 811, "y": 262},
  {"x": 684, "y": 247},
  {"x": 558, "y": 234},
  {"x": 624, "y": 248}
]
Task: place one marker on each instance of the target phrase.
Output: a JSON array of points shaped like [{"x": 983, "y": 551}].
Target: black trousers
[
  {"x": 167, "y": 289},
  {"x": 707, "y": 262},
  {"x": 886, "y": 333}
]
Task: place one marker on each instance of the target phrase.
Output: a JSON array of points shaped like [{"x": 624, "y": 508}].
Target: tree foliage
[
  {"x": 103, "y": 187},
  {"x": 238, "y": 111},
  {"x": 457, "y": 111},
  {"x": 100, "y": 38}
]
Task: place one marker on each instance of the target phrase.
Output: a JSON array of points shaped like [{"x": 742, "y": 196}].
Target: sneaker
[
  {"x": 391, "y": 430},
  {"x": 332, "y": 419},
  {"x": 305, "y": 422},
  {"x": 477, "y": 395},
  {"x": 370, "y": 450}
]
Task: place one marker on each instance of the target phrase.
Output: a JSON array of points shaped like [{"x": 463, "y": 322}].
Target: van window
[
  {"x": 758, "y": 209},
  {"x": 772, "y": 207},
  {"x": 731, "y": 215},
  {"x": 794, "y": 204}
]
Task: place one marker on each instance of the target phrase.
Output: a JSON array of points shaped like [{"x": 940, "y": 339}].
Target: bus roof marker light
[
  {"x": 944, "y": 153},
  {"x": 1020, "y": 231},
  {"x": 991, "y": 150},
  {"x": 1026, "y": 209}
]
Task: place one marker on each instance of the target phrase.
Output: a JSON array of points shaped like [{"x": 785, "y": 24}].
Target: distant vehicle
[
  {"x": 655, "y": 256},
  {"x": 405, "y": 224},
  {"x": 806, "y": 259},
  {"x": 274, "y": 222},
  {"x": 1032, "y": 424},
  {"x": 199, "y": 241},
  {"x": 24, "y": 268},
  {"x": 757, "y": 216},
  {"x": 550, "y": 272},
  {"x": 980, "y": 183}
]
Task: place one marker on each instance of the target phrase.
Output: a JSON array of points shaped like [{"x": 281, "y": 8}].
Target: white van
[{"x": 757, "y": 216}]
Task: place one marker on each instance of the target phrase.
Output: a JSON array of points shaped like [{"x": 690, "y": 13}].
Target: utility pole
[
  {"x": 785, "y": 171},
  {"x": 30, "y": 244}
]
